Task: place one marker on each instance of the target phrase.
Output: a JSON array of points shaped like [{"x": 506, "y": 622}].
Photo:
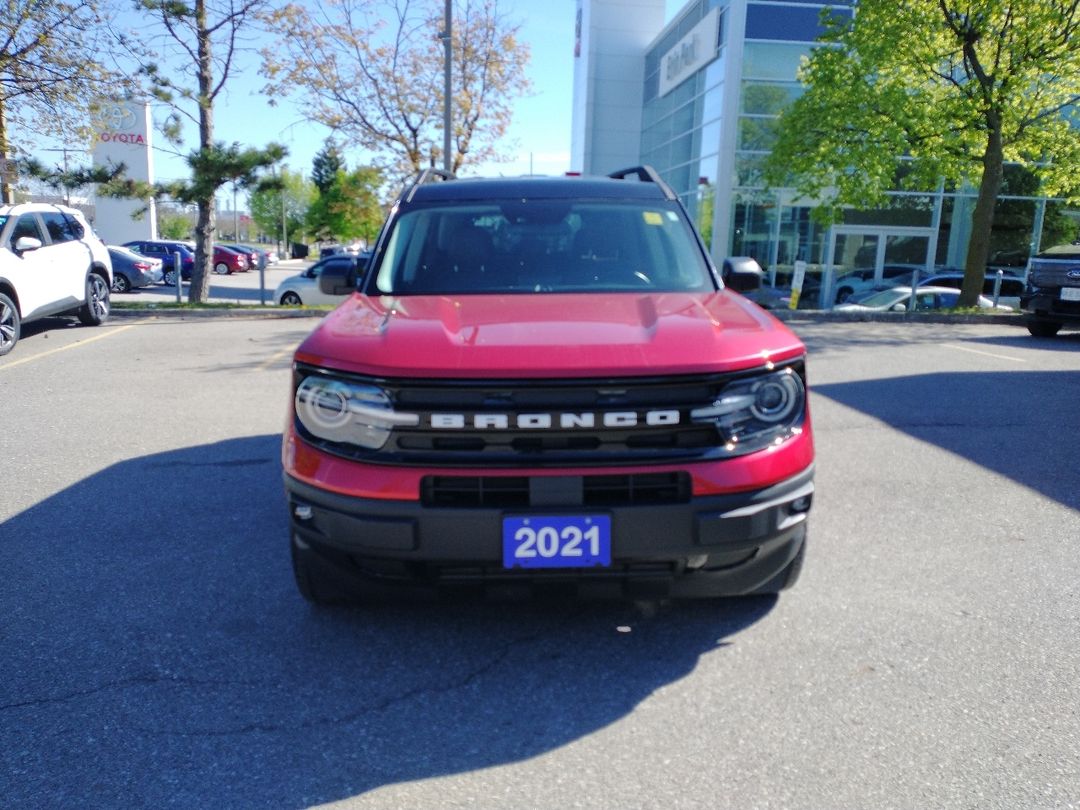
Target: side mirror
[
  {"x": 899, "y": 308},
  {"x": 338, "y": 279},
  {"x": 25, "y": 243},
  {"x": 742, "y": 274}
]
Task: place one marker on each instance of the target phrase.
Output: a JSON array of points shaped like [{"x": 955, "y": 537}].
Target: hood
[{"x": 548, "y": 336}]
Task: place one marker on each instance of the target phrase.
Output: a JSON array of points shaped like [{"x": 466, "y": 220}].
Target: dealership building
[{"x": 697, "y": 98}]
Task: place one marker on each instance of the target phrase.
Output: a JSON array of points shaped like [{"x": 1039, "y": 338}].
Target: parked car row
[
  {"x": 927, "y": 298},
  {"x": 227, "y": 258}
]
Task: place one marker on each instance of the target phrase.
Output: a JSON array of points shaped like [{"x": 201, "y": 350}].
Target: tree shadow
[
  {"x": 1018, "y": 424},
  {"x": 156, "y": 652}
]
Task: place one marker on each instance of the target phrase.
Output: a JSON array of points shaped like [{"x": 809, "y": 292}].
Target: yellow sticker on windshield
[{"x": 652, "y": 218}]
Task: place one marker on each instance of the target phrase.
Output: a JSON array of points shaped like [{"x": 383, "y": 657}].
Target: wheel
[
  {"x": 96, "y": 308},
  {"x": 120, "y": 283},
  {"x": 313, "y": 579},
  {"x": 169, "y": 279},
  {"x": 221, "y": 269},
  {"x": 10, "y": 324},
  {"x": 843, "y": 294},
  {"x": 1043, "y": 328},
  {"x": 291, "y": 299}
]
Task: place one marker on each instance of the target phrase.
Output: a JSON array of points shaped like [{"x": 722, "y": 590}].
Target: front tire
[
  {"x": 10, "y": 324},
  {"x": 1043, "y": 328},
  {"x": 96, "y": 309},
  {"x": 314, "y": 579},
  {"x": 221, "y": 269},
  {"x": 291, "y": 299},
  {"x": 786, "y": 578}
]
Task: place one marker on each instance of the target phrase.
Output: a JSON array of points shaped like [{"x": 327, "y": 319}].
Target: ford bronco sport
[{"x": 546, "y": 382}]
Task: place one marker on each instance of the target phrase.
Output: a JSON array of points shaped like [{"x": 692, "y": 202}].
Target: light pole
[{"x": 447, "y": 86}]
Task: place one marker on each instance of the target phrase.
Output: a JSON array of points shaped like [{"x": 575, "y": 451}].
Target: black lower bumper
[{"x": 707, "y": 546}]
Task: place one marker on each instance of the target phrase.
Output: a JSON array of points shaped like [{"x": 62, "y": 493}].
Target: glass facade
[{"x": 684, "y": 129}]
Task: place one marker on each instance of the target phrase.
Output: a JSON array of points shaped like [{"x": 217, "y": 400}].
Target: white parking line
[
  {"x": 114, "y": 331},
  {"x": 985, "y": 354}
]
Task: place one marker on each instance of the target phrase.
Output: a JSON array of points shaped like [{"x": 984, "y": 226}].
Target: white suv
[{"x": 51, "y": 263}]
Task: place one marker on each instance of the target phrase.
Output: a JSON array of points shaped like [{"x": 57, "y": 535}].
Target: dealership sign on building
[
  {"x": 690, "y": 54},
  {"x": 123, "y": 135}
]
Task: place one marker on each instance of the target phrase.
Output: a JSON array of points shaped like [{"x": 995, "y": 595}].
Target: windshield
[{"x": 542, "y": 246}]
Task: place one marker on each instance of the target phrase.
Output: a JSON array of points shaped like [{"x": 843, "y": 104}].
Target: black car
[
  {"x": 1051, "y": 299},
  {"x": 165, "y": 250}
]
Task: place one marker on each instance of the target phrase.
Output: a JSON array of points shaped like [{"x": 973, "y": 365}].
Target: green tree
[
  {"x": 173, "y": 224},
  {"x": 205, "y": 36},
  {"x": 50, "y": 73},
  {"x": 267, "y": 206},
  {"x": 372, "y": 70},
  {"x": 953, "y": 87},
  {"x": 325, "y": 166},
  {"x": 349, "y": 209}
]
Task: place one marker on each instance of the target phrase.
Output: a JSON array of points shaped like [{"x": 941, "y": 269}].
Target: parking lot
[
  {"x": 155, "y": 651},
  {"x": 250, "y": 288}
]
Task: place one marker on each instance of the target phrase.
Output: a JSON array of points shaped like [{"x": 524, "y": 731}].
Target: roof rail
[
  {"x": 430, "y": 175},
  {"x": 646, "y": 174}
]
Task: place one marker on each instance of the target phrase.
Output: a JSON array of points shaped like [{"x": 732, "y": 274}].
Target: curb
[
  {"x": 825, "y": 316},
  {"x": 173, "y": 313},
  {"x": 785, "y": 315}
]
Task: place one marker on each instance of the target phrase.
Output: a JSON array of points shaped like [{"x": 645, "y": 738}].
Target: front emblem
[{"x": 1073, "y": 274}]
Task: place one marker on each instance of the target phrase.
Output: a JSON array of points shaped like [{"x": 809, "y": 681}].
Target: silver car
[{"x": 303, "y": 288}]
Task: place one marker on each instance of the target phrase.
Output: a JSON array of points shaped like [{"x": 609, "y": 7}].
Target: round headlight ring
[{"x": 776, "y": 398}]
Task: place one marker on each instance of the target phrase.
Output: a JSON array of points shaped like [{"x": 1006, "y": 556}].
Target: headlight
[
  {"x": 348, "y": 413},
  {"x": 754, "y": 413}
]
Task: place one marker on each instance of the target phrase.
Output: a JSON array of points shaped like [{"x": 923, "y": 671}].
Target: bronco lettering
[{"x": 548, "y": 421}]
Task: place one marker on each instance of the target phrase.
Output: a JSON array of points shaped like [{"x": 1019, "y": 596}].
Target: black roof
[{"x": 536, "y": 188}]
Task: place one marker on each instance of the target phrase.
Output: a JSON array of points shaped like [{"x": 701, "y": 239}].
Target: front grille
[
  {"x": 454, "y": 428},
  {"x": 510, "y": 492}
]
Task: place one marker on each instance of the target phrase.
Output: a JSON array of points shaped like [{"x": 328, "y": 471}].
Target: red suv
[{"x": 546, "y": 382}]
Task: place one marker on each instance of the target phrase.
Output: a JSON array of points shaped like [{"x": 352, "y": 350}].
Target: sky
[{"x": 540, "y": 131}]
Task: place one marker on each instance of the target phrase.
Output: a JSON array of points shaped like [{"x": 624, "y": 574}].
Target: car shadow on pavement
[
  {"x": 155, "y": 652},
  {"x": 1014, "y": 423}
]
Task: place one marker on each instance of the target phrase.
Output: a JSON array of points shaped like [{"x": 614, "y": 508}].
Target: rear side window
[
  {"x": 540, "y": 246},
  {"x": 60, "y": 227}
]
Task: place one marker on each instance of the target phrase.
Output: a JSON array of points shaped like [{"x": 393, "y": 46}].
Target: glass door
[{"x": 865, "y": 259}]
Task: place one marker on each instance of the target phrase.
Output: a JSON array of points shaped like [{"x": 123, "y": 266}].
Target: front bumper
[
  {"x": 712, "y": 545},
  {"x": 1047, "y": 305}
]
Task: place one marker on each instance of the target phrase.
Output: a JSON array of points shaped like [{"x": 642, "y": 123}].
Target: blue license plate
[{"x": 557, "y": 541}]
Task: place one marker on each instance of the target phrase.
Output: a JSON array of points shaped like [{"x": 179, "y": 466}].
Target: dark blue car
[{"x": 165, "y": 250}]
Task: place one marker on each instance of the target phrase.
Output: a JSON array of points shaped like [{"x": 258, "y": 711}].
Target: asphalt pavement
[{"x": 155, "y": 652}]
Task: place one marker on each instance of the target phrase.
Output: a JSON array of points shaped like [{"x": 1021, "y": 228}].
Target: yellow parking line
[
  {"x": 113, "y": 331},
  {"x": 275, "y": 358}
]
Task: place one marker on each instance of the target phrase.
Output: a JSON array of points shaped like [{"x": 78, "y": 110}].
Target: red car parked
[{"x": 227, "y": 260}]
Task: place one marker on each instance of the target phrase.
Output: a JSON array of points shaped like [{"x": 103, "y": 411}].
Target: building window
[{"x": 788, "y": 22}]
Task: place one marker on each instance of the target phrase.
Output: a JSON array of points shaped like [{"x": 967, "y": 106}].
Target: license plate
[
  {"x": 557, "y": 541},
  {"x": 1070, "y": 293}
]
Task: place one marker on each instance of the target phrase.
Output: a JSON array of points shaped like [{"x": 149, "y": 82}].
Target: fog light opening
[
  {"x": 303, "y": 512},
  {"x": 801, "y": 504}
]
